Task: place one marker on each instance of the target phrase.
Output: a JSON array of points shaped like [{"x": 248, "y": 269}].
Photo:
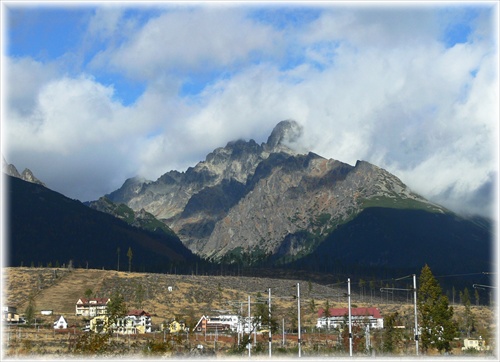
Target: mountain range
[{"x": 270, "y": 205}]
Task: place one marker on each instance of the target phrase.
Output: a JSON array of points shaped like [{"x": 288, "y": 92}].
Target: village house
[
  {"x": 221, "y": 323},
  {"x": 174, "y": 326},
  {"x": 476, "y": 344},
  {"x": 361, "y": 316},
  {"x": 89, "y": 308},
  {"x": 61, "y": 323},
  {"x": 99, "y": 324},
  {"x": 136, "y": 321},
  {"x": 10, "y": 315},
  {"x": 224, "y": 323}
]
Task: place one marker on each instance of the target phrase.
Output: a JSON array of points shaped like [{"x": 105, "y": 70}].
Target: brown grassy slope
[{"x": 191, "y": 296}]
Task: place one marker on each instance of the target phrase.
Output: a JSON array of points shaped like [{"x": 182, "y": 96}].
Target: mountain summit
[
  {"x": 26, "y": 175},
  {"x": 249, "y": 203},
  {"x": 284, "y": 133}
]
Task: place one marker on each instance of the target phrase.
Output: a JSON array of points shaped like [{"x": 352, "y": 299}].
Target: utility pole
[
  {"x": 298, "y": 318},
  {"x": 414, "y": 302},
  {"x": 415, "y": 305},
  {"x": 269, "y": 324},
  {"x": 350, "y": 317},
  {"x": 367, "y": 338},
  {"x": 283, "y": 330},
  {"x": 249, "y": 344}
]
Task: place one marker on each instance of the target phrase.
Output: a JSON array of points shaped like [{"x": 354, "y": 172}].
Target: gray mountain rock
[
  {"x": 251, "y": 201},
  {"x": 10, "y": 169},
  {"x": 26, "y": 175}
]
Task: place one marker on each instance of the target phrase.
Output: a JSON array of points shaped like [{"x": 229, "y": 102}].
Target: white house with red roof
[
  {"x": 361, "y": 316},
  {"x": 90, "y": 308},
  {"x": 136, "y": 321}
]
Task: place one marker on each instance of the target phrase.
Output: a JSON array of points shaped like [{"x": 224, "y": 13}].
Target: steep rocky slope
[{"x": 45, "y": 227}]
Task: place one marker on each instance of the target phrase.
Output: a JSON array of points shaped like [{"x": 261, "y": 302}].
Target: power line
[{"x": 460, "y": 275}]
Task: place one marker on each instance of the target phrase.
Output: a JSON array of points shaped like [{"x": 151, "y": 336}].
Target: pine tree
[
  {"x": 468, "y": 316},
  {"x": 116, "y": 307},
  {"x": 327, "y": 314},
  {"x": 391, "y": 335},
  {"x": 29, "y": 312},
  {"x": 312, "y": 305},
  {"x": 437, "y": 326}
]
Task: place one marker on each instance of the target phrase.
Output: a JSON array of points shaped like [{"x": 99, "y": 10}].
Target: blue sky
[{"x": 100, "y": 92}]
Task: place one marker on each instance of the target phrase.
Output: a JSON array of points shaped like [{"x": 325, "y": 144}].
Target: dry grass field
[{"x": 190, "y": 297}]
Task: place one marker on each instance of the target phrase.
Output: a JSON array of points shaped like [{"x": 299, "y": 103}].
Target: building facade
[
  {"x": 228, "y": 323},
  {"x": 90, "y": 308},
  {"x": 339, "y": 316},
  {"x": 136, "y": 321},
  {"x": 476, "y": 344},
  {"x": 61, "y": 323}
]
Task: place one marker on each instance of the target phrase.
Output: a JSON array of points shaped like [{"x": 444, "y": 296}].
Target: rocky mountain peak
[
  {"x": 284, "y": 133},
  {"x": 26, "y": 175},
  {"x": 10, "y": 169}
]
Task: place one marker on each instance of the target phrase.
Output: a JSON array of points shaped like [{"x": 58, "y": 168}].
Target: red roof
[
  {"x": 355, "y": 312},
  {"x": 138, "y": 312}
]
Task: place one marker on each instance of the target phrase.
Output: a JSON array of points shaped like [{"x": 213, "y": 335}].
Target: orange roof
[{"x": 138, "y": 312}]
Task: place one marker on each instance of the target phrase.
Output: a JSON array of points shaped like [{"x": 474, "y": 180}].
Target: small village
[
  {"x": 95, "y": 311},
  {"x": 321, "y": 330}
]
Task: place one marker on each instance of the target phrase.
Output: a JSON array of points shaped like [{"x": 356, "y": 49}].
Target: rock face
[
  {"x": 26, "y": 175},
  {"x": 248, "y": 201}
]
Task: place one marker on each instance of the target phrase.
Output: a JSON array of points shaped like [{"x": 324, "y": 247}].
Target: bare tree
[
  {"x": 129, "y": 255},
  {"x": 118, "y": 253}
]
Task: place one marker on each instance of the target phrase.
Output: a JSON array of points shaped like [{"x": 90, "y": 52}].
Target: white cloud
[
  {"x": 105, "y": 23},
  {"x": 78, "y": 139},
  {"x": 189, "y": 40},
  {"x": 371, "y": 85},
  {"x": 373, "y": 26},
  {"x": 25, "y": 77}
]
